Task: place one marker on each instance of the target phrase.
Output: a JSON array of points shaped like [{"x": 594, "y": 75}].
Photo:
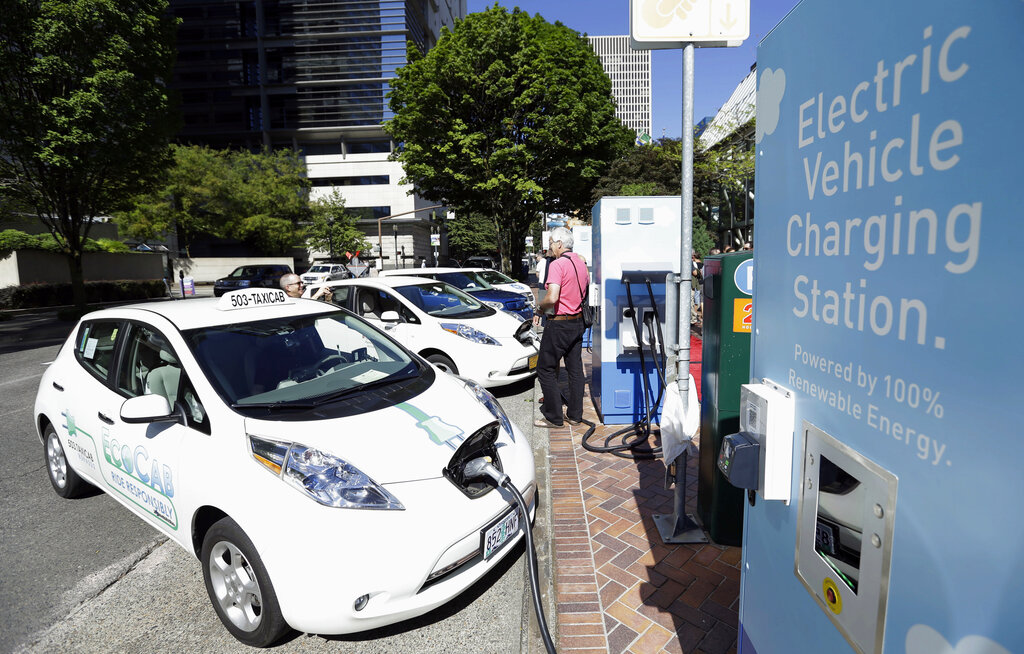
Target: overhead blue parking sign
[{"x": 887, "y": 272}]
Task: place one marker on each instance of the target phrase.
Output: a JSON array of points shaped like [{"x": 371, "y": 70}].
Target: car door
[
  {"x": 141, "y": 461},
  {"x": 81, "y": 384},
  {"x": 371, "y": 303}
]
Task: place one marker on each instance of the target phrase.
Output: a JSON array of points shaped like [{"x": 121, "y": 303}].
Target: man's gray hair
[
  {"x": 288, "y": 278},
  {"x": 562, "y": 234}
]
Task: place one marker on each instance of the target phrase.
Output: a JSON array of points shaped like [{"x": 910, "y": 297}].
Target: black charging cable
[
  {"x": 482, "y": 467},
  {"x": 636, "y": 448}
]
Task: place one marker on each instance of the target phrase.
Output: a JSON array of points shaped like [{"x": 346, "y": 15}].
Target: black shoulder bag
[{"x": 586, "y": 311}]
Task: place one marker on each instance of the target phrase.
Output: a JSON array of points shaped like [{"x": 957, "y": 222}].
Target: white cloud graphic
[
  {"x": 922, "y": 639},
  {"x": 769, "y": 96}
]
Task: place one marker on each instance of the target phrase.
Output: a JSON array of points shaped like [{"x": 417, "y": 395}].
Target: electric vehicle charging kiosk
[
  {"x": 582, "y": 239},
  {"x": 725, "y": 366},
  {"x": 635, "y": 239},
  {"x": 887, "y": 274}
]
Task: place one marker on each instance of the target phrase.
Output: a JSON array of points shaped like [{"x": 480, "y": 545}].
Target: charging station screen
[{"x": 838, "y": 530}]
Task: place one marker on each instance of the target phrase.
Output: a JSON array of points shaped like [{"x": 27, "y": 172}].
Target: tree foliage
[
  {"x": 259, "y": 198},
  {"x": 84, "y": 115},
  {"x": 470, "y": 234},
  {"x": 332, "y": 229},
  {"x": 508, "y": 116}
]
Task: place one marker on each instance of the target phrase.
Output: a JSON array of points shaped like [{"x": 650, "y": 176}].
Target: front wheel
[
  {"x": 239, "y": 586},
  {"x": 444, "y": 363},
  {"x": 65, "y": 481}
]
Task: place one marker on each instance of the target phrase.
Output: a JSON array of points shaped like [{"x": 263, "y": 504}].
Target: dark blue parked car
[{"x": 475, "y": 285}]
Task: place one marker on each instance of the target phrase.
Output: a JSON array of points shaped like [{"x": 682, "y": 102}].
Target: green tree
[
  {"x": 84, "y": 115},
  {"x": 270, "y": 194},
  {"x": 194, "y": 199},
  {"x": 260, "y": 198},
  {"x": 332, "y": 229},
  {"x": 470, "y": 234},
  {"x": 645, "y": 170},
  {"x": 508, "y": 116}
]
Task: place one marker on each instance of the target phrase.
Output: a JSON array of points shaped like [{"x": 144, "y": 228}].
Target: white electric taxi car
[
  {"x": 503, "y": 282},
  {"x": 312, "y": 464},
  {"x": 450, "y": 328}
]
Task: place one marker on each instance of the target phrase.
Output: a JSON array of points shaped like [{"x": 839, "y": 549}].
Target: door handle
[
  {"x": 58, "y": 387},
  {"x": 105, "y": 419}
]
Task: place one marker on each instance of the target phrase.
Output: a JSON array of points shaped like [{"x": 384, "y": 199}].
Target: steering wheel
[{"x": 328, "y": 364}]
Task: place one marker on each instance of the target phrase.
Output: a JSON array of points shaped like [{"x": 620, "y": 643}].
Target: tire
[
  {"x": 65, "y": 481},
  {"x": 239, "y": 586},
  {"x": 444, "y": 363}
]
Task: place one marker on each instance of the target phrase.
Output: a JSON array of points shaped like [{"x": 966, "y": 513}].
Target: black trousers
[{"x": 562, "y": 341}]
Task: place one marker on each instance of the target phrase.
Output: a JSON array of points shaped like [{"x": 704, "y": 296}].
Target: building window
[{"x": 363, "y": 180}]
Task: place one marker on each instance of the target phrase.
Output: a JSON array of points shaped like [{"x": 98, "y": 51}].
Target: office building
[
  {"x": 630, "y": 73},
  {"x": 311, "y": 75}
]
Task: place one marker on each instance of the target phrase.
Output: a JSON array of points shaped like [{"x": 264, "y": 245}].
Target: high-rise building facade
[
  {"x": 630, "y": 73},
  {"x": 311, "y": 75}
]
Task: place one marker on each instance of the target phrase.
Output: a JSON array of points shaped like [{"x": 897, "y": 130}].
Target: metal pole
[
  {"x": 686, "y": 237},
  {"x": 678, "y": 527}
]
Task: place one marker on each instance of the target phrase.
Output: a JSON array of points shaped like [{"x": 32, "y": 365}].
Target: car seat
[
  {"x": 369, "y": 305},
  {"x": 164, "y": 380}
]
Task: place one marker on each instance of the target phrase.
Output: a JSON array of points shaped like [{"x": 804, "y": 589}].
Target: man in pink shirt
[{"x": 563, "y": 332}]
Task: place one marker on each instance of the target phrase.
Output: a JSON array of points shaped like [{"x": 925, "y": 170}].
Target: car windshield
[
  {"x": 320, "y": 269},
  {"x": 297, "y": 360},
  {"x": 443, "y": 300},
  {"x": 495, "y": 277},
  {"x": 467, "y": 281},
  {"x": 244, "y": 271}
]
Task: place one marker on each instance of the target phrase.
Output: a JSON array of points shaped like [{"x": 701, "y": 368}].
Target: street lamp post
[
  {"x": 395, "y": 229},
  {"x": 380, "y": 240},
  {"x": 330, "y": 237}
]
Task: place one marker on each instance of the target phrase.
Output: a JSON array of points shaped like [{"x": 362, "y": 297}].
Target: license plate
[
  {"x": 500, "y": 532},
  {"x": 533, "y": 361}
]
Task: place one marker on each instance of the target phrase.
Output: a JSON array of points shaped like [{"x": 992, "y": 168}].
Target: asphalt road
[{"x": 87, "y": 576}]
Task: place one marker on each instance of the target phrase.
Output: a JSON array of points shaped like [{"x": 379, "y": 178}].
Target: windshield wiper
[
  {"x": 363, "y": 387},
  {"x": 280, "y": 404}
]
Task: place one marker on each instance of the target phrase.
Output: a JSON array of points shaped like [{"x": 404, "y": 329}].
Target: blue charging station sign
[{"x": 887, "y": 274}]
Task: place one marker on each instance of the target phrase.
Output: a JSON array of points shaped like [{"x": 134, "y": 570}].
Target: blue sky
[{"x": 717, "y": 71}]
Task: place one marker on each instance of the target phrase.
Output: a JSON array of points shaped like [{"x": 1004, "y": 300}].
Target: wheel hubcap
[
  {"x": 58, "y": 464},
  {"x": 235, "y": 586}
]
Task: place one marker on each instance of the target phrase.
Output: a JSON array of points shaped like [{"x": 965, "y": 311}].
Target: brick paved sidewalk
[{"x": 619, "y": 588}]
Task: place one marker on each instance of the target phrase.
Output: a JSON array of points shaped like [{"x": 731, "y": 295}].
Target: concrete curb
[{"x": 543, "y": 538}]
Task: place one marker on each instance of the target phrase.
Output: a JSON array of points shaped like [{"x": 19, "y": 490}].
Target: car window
[
  {"x": 297, "y": 359},
  {"x": 372, "y": 303},
  {"x": 459, "y": 280},
  {"x": 318, "y": 269},
  {"x": 95, "y": 347},
  {"x": 442, "y": 300},
  {"x": 151, "y": 366},
  {"x": 495, "y": 277}
]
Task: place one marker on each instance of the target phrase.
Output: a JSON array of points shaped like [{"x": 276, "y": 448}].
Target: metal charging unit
[
  {"x": 879, "y": 428},
  {"x": 635, "y": 240},
  {"x": 725, "y": 367}
]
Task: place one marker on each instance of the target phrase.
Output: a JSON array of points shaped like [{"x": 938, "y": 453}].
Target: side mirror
[
  {"x": 149, "y": 408},
  {"x": 390, "y": 316}
]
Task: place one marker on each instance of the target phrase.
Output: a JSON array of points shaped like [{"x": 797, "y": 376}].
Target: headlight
[
  {"x": 496, "y": 305},
  {"x": 488, "y": 400},
  {"x": 323, "y": 477},
  {"x": 469, "y": 333}
]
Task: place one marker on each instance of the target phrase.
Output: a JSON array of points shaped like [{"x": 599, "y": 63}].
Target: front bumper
[{"x": 389, "y": 555}]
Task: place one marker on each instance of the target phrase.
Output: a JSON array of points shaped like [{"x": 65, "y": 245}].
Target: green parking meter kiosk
[{"x": 728, "y": 311}]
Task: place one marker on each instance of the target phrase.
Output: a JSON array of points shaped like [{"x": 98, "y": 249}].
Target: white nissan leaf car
[
  {"x": 314, "y": 465},
  {"x": 446, "y": 326}
]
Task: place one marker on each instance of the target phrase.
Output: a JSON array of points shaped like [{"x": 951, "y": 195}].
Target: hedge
[{"x": 29, "y": 296}]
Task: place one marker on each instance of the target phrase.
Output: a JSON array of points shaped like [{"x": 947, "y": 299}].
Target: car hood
[{"x": 406, "y": 442}]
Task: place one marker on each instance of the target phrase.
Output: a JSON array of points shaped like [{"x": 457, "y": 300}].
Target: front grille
[{"x": 481, "y": 443}]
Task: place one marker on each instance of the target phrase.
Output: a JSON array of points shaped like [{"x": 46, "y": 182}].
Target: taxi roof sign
[
  {"x": 657, "y": 24},
  {"x": 250, "y": 298}
]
